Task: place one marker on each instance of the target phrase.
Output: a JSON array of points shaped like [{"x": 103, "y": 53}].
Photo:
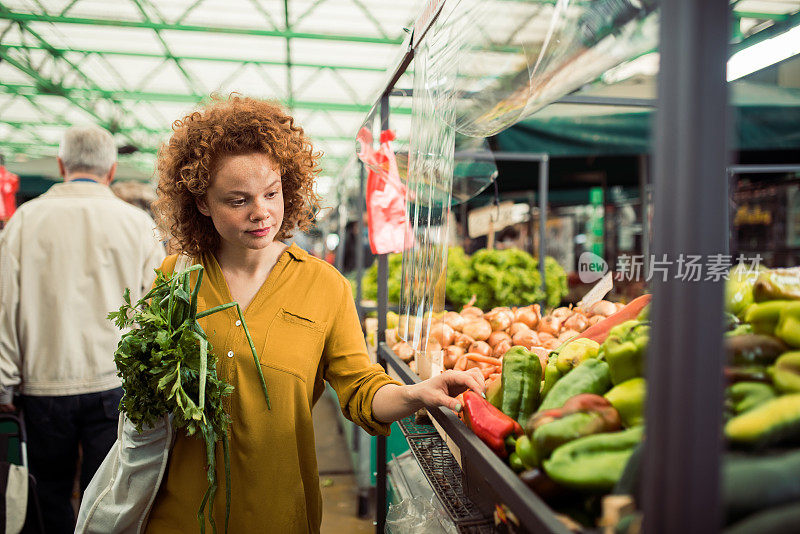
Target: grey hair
[{"x": 88, "y": 149}]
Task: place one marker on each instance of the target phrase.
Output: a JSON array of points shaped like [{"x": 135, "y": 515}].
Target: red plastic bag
[
  {"x": 387, "y": 220},
  {"x": 9, "y": 184}
]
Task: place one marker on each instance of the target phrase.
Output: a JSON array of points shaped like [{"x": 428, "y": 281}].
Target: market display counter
[{"x": 471, "y": 492}]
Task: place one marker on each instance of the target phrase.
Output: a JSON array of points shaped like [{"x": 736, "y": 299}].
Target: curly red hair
[{"x": 238, "y": 125}]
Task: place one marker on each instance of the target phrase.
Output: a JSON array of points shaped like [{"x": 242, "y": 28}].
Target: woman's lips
[{"x": 259, "y": 233}]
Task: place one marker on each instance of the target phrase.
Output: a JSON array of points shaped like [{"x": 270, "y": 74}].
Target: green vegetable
[
  {"x": 167, "y": 366},
  {"x": 592, "y": 376},
  {"x": 744, "y": 396},
  {"x": 551, "y": 375},
  {"x": 628, "y": 398},
  {"x": 520, "y": 379},
  {"x": 576, "y": 352},
  {"x": 786, "y": 373},
  {"x": 752, "y": 483},
  {"x": 788, "y": 328},
  {"x": 495, "y": 277},
  {"x": 625, "y": 349},
  {"x": 773, "y": 421},
  {"x": 526, "y": 452},
  {"x": 779, "y": 520},
  {"x": 764, "y": 316},
  {"x": 554, "y": 434},
  {"x": 593, "y": 463},
  {"x": 739, "y": 289}
]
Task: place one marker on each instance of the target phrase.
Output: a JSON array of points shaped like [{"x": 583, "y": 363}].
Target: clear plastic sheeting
[
  {"x": 429, "y": 185},
  {"x": 502, "y": 65}
]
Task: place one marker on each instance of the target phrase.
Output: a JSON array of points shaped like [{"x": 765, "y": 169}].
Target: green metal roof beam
[
  {"x": 172, "y": 97},
  {"x": 61, "y": 51},
  {"x": 5, "y": 13}
]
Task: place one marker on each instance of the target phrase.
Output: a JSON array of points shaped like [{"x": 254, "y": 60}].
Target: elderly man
[{"x": 65, "y": 259}]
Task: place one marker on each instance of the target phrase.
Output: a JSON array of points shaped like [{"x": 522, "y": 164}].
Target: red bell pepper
[{"x": 488, "y": 423}]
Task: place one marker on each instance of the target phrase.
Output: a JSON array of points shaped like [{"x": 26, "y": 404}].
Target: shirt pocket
[{"x": 294, "y": 344}]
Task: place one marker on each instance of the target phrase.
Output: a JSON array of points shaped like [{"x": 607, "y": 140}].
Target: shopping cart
[{"x": 13, "y": 451}]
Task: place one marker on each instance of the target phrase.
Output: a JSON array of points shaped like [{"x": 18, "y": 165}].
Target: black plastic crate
[{"x": 410, "y": 428}]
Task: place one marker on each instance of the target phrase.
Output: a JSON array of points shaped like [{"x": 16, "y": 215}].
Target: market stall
[{"x": 679, "y": 489}]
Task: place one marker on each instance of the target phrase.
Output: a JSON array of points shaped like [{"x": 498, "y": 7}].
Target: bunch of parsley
[{"x": 167, "y": 367}]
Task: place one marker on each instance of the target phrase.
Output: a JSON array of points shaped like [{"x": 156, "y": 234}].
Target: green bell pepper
[
  {"x": 628, "y": 398},
  {"x": 521, "y": 379},
  {"x": 786, "y": 373},
  {"x": 551, "y": 375},
  {"x": 788, "y": 328},
  {"x": 576, "y": 352},
  {"x": 764, "y": 316},
  {"x": 743, "y": 396},
  {"x": 526, "y": 452},
  {"x": 593, "y": 463},
  {"x": 625, "y": 350}
]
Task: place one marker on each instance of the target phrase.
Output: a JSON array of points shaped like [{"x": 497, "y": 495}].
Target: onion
[
  {"x": 577, "y": 322},
  {"x": 619, "y": 305},
  {"x": 413, "y": 366},
  {"x": 602, "y": 307},
  {"x": 404, "y": 351},
  {"x": 552, "y": 344},
  {"x": 567, "y": 334},
  {"x": 596, "y": 319},
  {"x": 501, "y": 348},
  {"x": 517, "y": 327},
  {"x": 550, "y": 325},
  {"x": 562, "y": 313},
  {"x": 529, "y": 315},
  {"x": 480, "y": 347},
  {"x": 454, "y": 320},
  {"x": 451, "y": 356},
  {"x": 500, "y": 320},
  {"x": 471, "y": 312},
  {"x": 496, "y": 337},
  {"x": 463, "y": 341},
  {"x": 442, "y": 333},
  {"x": 477, "y": 329},
  {"x": 525, "y": 339},
  {"x": 544, "y": 337}
]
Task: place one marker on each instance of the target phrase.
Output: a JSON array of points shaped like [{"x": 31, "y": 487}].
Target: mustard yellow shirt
[{"x": 305, "y": 329}]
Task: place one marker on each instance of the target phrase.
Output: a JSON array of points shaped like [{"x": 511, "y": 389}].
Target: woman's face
[{"x": 245, "y": 201}]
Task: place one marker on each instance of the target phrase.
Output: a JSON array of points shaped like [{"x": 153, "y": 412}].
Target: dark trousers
[{"x": 56, "y": 426}]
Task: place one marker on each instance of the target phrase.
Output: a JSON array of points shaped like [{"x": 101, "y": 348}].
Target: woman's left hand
[{"x": 441, "y": 389}]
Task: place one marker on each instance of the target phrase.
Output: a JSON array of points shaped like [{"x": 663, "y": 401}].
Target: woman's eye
[
  {"x": 273, "y": 194},
  {"x": 237, "y": 202}
]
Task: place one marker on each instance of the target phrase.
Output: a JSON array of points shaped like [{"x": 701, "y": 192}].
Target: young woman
[{"x": 234, "y": 180}]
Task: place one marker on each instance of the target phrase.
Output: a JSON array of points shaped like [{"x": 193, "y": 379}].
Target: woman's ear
[{"x": 202, "y": 205}]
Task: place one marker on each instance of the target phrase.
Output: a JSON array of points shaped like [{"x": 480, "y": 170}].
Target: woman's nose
[{"x": 260, "y": 211}]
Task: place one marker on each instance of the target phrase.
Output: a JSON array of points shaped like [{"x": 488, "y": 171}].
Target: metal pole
[
  {"x": 684, "y": 411},
  {"x": 544, "y": 171},
  {"x": 383, "y": 276},
  {"x": 359, "y": 240},
  {"x": 342, "y": 234},
  {"x": 643, "y": 180}
]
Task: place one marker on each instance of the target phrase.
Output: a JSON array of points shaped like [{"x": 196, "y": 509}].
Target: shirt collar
[{"x": 297, "y": 253}]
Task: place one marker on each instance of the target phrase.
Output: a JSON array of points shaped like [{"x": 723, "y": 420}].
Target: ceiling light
[{"x": 763, "y": 54}]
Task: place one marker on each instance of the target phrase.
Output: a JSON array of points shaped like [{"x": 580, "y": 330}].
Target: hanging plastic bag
[
  {"x": 9, "y": 184},
  {"x": 386, "y": 196}
]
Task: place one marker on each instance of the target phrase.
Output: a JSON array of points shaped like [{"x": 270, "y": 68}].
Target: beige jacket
[{"x": 65, "y": 259}]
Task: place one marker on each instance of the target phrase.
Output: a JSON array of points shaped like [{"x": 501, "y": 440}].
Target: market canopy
[{"x": 765, "y": 117}]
